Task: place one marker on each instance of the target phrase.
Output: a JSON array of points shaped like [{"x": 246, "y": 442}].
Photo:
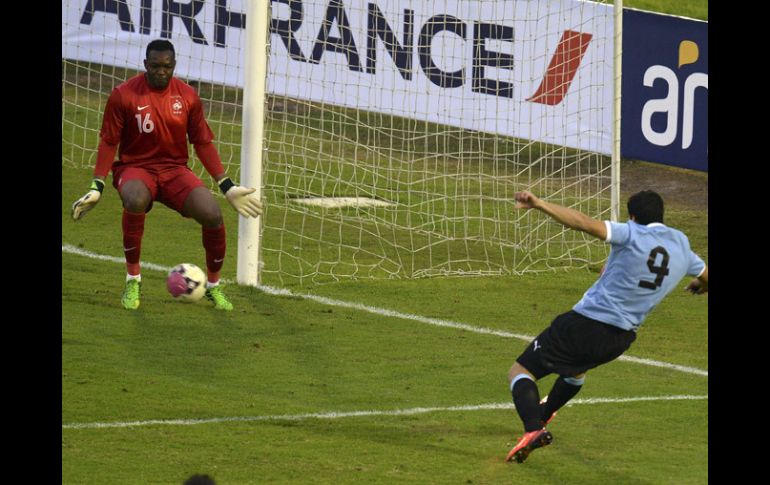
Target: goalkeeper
[
  {"x": 647, "y": 260},
  {"x": 151, "y": 117}
]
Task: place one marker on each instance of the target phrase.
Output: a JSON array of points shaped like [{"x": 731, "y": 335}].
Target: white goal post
[
  {"x": 254, "y": 96},
  {"x": 385, "y": 137}
]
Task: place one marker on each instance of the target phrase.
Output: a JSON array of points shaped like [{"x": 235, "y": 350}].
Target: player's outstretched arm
[
  {"x": 569, "y": 217},
  {"x": 88, "y": 201},
  {"x": 699, "y": 285},
  {"x": 240, "y": 198}
]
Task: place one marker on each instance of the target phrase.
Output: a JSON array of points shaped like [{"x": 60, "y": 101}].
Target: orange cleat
[{"x": 530, "y": 441}]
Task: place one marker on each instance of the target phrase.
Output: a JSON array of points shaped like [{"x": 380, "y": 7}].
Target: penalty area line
[
  {"x": 67, "y": 248},
  {"x": 355, "y": 414}
]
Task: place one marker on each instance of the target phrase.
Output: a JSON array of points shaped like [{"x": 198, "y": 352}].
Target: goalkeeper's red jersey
[{"x": 152, "y": 127}]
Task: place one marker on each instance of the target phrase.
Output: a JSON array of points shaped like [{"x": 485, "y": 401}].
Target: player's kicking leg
[
  {"x": 526, "y": 398},
  {"x": 529, "y": 442}
]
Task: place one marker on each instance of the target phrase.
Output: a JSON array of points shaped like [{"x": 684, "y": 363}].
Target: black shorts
[{"x": 573, "y": 344}]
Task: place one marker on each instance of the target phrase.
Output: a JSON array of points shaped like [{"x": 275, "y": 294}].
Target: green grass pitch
[{"x": 288, "y": 389}]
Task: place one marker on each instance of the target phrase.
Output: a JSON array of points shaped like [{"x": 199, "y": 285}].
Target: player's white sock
[{"x": 137, "y": 277}]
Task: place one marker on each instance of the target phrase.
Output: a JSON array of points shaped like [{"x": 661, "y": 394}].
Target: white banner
[{"x": 534, "y": 69}]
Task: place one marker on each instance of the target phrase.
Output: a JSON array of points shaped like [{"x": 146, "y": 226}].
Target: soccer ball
[{"x": 186, "y": 282}]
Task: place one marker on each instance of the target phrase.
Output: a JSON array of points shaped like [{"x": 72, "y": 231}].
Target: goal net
[{"x": 396, "y": 132}]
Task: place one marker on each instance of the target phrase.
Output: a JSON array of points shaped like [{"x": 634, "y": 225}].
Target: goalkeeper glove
[
  {"x": 88, "y": 201},
  {"x": 238, "y": 197}
]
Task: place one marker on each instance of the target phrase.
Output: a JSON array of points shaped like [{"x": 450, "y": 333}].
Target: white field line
[
  {"x": 66, "y": 248},
  {"x": 355, "y": 414}
]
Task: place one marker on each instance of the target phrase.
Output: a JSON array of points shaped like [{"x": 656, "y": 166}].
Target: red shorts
[{"x": 169, "y": 185}]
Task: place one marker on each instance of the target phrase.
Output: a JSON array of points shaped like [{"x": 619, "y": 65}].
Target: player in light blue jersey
[{"x": 647, "y": 260}]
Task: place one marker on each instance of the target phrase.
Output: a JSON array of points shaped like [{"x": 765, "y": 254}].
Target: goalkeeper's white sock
[{"x": 209, "y": 284}]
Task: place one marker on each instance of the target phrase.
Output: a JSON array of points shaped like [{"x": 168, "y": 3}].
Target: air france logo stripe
[{"x": 562, "y": 69}]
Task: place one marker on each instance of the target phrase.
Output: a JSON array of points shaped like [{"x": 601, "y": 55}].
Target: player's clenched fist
[{"x": 525, "y": 200}]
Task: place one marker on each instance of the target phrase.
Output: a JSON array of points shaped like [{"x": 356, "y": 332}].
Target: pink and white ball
[{"x": 186, "y": 282}]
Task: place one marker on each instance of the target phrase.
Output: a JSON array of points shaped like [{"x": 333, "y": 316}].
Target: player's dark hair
[
  {"x": 199, "y": 480},
  {"x": 646, "y": 207},
  {"x": 159, "y": 45}
]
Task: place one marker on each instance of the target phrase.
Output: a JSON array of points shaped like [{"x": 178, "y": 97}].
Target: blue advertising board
[{"x": 665, "y": 90}]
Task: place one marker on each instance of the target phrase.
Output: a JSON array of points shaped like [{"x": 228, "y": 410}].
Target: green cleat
[
  {"x": 130, "y": 298},
  {"x": 215, "y": 295}
]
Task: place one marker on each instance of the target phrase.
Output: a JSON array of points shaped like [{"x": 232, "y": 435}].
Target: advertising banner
[
  {"x": 665, "y": 90},
  {"x": 533, "y": 69}
]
